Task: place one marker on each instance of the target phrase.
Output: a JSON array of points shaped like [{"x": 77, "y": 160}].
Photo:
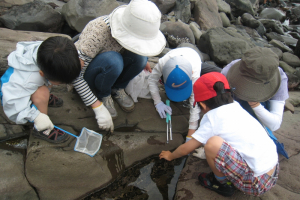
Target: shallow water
[{"x": 151, "y": 178}]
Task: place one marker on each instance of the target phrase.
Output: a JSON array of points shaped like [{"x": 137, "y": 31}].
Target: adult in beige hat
[
  {"x": 113, "y": 49},
  {"x": 261, "y": 86}
]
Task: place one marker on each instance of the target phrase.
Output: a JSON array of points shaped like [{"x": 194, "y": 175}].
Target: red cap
[{"x": 204, "y": 87}]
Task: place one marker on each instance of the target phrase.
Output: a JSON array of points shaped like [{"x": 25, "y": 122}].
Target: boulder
[
  {"x": 206, "y": 14},
  {"x": 277, "y": 51},
  {"x": 286, "y": 67},
  {"x": 290, "y": 41},
  {"x": 225, "y": 20},
  {"x": 224, "y": 44},
  {"x": 248, "y": 20},
  {"x": 183, "y": 10},
  {"x": 239, "y": 7},
  {"x": 34, "y": 16},
  {"x": 177, "y": 33},
  {"x": 165, "y": 6},
  {"x": 291, "y": 59},
  {"x": 275, "y": 36},
  {"x": 223, "y": 7},
  {"x": 79, "y": 12},
  {"x": 196, "y": 31},
  {"x": 274, "y": 25},
  {"x": 297, "y": 49},
  {"x": 293, "y": 80},
  {"x": 9, "y": 39},
  {"x": 281, "y": 46},
  {"x": 10, "y": 3},
  {"x": 272, "y": 13},
  {"x": 13, "y": 183}
]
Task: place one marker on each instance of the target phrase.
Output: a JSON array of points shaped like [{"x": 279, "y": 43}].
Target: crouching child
[
  {"x": 33, "y": 68},
  {"x": 237, "y": 147}
]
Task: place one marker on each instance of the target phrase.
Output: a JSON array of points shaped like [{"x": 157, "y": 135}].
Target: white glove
[
  {"x": 162, "y": 109},
  {"x": 200, "y": 153},
  {"x": 103, "y": 117},
  {"x": 42, "y": 122}
]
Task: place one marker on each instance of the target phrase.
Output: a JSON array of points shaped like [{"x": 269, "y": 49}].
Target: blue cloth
[{"x": 113, "y": 70}]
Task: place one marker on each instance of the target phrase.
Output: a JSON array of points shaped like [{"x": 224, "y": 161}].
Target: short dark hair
[
  {"x": 58, "y": 59},
  {"x": 223, "y": 97}
]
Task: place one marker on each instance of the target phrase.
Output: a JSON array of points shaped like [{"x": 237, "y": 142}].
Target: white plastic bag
[{"x": 138, "y": 86}]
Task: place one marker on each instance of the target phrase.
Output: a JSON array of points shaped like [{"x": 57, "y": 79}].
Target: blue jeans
[{"x": 113, "y": 70}]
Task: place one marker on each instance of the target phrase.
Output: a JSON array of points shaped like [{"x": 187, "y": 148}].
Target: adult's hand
[{"x": 103, "y": 117}]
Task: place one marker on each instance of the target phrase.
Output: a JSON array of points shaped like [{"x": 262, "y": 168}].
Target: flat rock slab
[{"x": 288, "y": 184}]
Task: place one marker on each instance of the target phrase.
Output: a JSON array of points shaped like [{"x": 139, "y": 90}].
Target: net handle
[{"x": 66, "y": 132}]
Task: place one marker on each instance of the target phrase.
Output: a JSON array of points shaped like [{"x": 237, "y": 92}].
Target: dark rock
[
  {"x": 223, "y": 7},
  {"x": 291, "y": 59},
  {"x": 206, "y": 14},
  {"x": 293, "y": 80},
  {"x": 196, "y": 31},
  {"x": 277, "y": 51},
  {"x": 225, "y": 20},
  {"x": 295, "y": 35},
  {"x": 281, "y": 46},
  {"x": 239, "y": 7},
  {"x": 183, "y": 10},
  {"x": 275, "y": 36},
  {"x": 165, "y": 6},
  {"x": 274, "y": 25},
  {"x": 35, "y": 16},
  {"x": 286, "y": 67},
  {"x": 297, "y": 49},
  {"x": 248, "y": 20},
  {"x": 78, "y": 13},
  {"x": 224, "y": 44}
]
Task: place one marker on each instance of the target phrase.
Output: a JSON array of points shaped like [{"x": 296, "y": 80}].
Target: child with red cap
[{"x": 238, "y": 149}]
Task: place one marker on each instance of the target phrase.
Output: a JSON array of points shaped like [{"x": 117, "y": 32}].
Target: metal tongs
[{"x": 169, "y": 123}]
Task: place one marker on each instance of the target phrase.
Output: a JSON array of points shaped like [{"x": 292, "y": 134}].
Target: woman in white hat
[{"x": 113, "y": 49}]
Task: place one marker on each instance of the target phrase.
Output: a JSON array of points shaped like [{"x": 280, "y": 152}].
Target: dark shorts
[{"x": 235, "y": 168}]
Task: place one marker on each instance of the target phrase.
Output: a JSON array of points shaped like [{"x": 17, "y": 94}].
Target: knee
[
  {"x": 213, "y": 144},
  {"x": 41, "y": 95}
]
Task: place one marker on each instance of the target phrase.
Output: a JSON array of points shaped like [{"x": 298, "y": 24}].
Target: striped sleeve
[{"x": 81, "y": 85}]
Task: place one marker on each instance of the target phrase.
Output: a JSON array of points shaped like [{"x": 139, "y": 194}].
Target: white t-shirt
[{"x": 243, "y": 132}]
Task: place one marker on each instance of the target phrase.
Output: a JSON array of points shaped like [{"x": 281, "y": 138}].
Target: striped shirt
[{"x": 95, "y": 39}]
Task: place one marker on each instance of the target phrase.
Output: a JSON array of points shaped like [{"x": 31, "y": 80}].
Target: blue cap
[{"x": 177, "y": 74}]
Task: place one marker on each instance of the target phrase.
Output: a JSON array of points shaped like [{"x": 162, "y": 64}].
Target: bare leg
[
  {"x": 40, "y": 99},
  {"x": 212, "y": 148}
]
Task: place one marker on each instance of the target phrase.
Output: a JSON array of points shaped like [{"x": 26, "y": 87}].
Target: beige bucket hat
[
  {"x": 256, "y": 76},
  {"x": 136, "y": 27}
]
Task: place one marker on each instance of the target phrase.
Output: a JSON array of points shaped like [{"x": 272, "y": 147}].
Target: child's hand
[{"x": 166, "y": 155}]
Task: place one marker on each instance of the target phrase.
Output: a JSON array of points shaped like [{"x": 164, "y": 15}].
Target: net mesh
[{"x": 88, "y": 142}]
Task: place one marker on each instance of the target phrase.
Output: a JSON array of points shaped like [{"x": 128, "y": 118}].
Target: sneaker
[
  {"x": 109, "y": 104},
  {"x": 55, "y": 136},
  {"x": 209, "y": 181},
  {"x": 124, "y": 101},
  {"x": 54, "y": 101}
]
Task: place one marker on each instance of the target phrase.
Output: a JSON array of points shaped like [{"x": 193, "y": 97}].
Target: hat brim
[
  {"x": 250, "y": 91},
  {"x": 151, "y": 47},
  {"x": 178, "y": 95}
]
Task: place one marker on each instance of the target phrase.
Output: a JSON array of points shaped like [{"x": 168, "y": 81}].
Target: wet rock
[
  {"x": 183, "y": 10},
  {"x": 225, "y": 20},
  {"x": 165, "y": 6},
  {"x": 224, "y": 44},
  {"x": 223, "y": 7},
  {"x": 239, "y": 7},
  {"x": 273, "y": 13},
  {"x": 76, "y": 170},
  {"x": 291, "y": 59},
  {"x": 34, "y": 16},
  {"x": 273, "y": 25},
  {"x": 9, "y": 39},
  {"x": 286, "y": 67},
  {"x": 206, "y": 14},
  {"x": 177, "y": 33},
  {"x": 79, "y": 12},
  {"x": 13, "y": 183},
  {"x": 281, "y": 46}
]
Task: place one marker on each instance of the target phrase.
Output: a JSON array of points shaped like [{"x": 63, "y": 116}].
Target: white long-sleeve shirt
[
  {"x": 195, "y": 60},
  {"x": 270, "y": 118}
]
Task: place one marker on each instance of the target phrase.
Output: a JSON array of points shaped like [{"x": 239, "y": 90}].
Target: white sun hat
[{"x": 136, "y": 27}]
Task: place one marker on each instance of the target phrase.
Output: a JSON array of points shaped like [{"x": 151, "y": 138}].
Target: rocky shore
[{"x": 220, "y": 31}]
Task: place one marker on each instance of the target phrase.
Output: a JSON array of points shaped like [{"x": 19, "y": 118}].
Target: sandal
[
  {"x": 55, "y": 101},
  {"x": 55, "y": 136}
]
